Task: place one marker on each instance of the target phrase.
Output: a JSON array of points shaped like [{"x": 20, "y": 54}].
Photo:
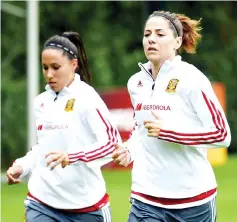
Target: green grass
[
  {"x": 118, "y": 184},
  {"x": 227, "y": 191}
]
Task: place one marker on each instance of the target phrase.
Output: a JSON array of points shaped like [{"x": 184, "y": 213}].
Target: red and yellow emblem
[
  {"x": 172, "y": 85},
  {"x": 69, "y": 105}
]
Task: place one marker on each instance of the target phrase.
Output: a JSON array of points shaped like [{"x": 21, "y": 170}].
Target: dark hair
[
  {"x": 182, "y": 26},
  {"x": 70, "y": 43}
]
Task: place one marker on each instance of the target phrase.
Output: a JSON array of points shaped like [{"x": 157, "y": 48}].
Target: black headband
[
  {"x": 172, "y": 22},
  {"x": 61, "y": 47}
]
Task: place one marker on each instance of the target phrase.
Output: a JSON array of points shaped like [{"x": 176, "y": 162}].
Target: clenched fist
[
  {"x": 13, "y": 173},
  {"x": 153, "y": 126},
  {"x": 57, "y": 157},
  {"x": 121, "y": 155}
]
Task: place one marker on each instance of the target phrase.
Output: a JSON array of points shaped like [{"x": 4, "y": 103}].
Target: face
[
  {"x": 159, "y": 42},
  {"x": 58, "y": 69}
]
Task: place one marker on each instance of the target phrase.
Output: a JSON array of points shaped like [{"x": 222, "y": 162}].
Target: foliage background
[{"x": 112, "y": 32}]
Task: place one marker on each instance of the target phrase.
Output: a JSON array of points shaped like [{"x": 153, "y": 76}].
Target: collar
[
  {"x": 67, "y": 89},
  {"x": 165, "y": 67}
]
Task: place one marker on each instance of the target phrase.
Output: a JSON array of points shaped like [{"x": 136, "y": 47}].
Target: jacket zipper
[
  {"x": 56, "y": 96},
  {"x": 153, "y": 85}
]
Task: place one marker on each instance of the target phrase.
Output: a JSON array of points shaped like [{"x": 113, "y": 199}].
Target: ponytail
[
  {"x": 191, "y": 33},
  {"x": 83, "y": 68}
]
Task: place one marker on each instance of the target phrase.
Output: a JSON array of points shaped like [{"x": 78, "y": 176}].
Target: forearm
[{"x": 27, "y": 162}]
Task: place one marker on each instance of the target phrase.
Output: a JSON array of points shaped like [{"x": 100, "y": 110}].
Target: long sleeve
[
  {"x": 106, "y": 134},
  {"x": 215, "y": 131},
  {"x": 27, "y": 162}
]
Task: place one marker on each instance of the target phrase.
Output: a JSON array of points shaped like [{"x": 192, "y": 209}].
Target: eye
[
  {"x": 45, "y": 67},
  {"x": 160, "y": 35},
  {"x": 146, "y": 34},
  {"x": 56, "y": 67}
]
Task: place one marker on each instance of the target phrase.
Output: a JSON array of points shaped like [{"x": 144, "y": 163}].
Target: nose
[
  {"x": 151, "y": 39},
  {"x": 49, "y": 74}
]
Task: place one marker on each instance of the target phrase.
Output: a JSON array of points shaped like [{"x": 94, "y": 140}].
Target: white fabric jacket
[
  {"x": 76, "y": 121},
  {"x": 175, "y": 164}
]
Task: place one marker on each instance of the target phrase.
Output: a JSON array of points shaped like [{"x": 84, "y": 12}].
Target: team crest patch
[
  {"x": 69, "y": 105},
  {"x": 171, "y": 88}
]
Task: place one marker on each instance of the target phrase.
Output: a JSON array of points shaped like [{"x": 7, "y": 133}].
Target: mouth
[
  {"x": 152, "y": 49},
  {"x": 52, "y": 83}
]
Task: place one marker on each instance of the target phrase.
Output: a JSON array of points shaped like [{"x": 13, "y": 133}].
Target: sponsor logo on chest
[
  {"x": 52, "y": 126},
  {"x": 141, "y": 106}
]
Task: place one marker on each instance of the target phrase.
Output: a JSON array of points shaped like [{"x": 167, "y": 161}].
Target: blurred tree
[
  {"x": 13, "y": 90},
  {"x": 112, "y": 32}
]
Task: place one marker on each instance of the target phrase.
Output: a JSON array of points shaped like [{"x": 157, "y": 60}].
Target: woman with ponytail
[
  {"x": 75, "y": 138},
  {"x": 178, "y": 117}
]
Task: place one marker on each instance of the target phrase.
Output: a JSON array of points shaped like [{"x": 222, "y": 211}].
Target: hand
[
  {"x": 121, "y": 155},
  {"x": 13, "y": 174},
  {"x": 57, "y": 157},
  {"x": 153, "y": 126}
]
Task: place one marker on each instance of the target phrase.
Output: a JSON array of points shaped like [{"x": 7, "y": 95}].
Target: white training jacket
[
  {"x": 78, "y": 122},
  {"x": 175, "y": 164}
]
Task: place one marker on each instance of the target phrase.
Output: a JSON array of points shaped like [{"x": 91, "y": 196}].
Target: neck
[
  {"x": 155, "y": 69},
  {"x": 70, "y": 82},
  {"x": 155, "y": 66}
]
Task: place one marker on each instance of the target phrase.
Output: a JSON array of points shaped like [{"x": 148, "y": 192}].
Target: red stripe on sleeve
[
  {"x": 102, "y": 150},
  {"x": 199, "y": 138}
]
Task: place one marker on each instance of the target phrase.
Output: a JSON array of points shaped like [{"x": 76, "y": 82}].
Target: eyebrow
[
  {"x": 155, "y": 30},
  {"x": 51, "y": 64},
  {"x": 54, "y": 63}
]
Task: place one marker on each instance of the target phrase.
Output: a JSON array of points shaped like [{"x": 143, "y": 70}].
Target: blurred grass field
[{"x": 118, "y": 185}]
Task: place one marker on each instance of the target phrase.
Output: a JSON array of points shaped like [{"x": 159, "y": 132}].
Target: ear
[
  {"x": 74, "y": 64},
  {"x": 178, "y": 42}
]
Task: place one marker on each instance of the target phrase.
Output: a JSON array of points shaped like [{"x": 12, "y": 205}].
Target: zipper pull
[
  {"x": 153, "y": 86},
  {"x": 56, "y": 96}
]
